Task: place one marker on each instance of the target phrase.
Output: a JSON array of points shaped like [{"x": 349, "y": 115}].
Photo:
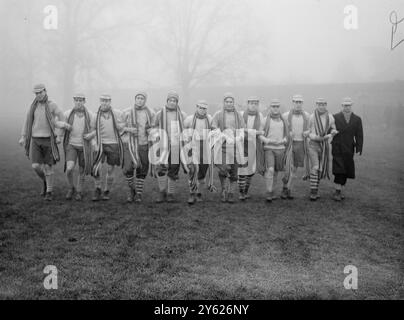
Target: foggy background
[{"x": 202, "y": 48}]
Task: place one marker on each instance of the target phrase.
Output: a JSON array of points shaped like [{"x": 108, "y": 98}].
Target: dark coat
[{"x": 346, "y": 143}]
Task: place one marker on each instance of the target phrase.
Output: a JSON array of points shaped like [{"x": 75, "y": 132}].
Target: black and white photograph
[{"x": 201, "y": 150}]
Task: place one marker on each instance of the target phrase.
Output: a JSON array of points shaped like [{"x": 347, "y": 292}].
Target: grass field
[{"x": 284, "y": 250}]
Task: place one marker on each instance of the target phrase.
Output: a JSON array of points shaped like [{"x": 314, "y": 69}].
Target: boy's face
[
  {"x": 105, "y": 103},
  {"x": 140, "y": 100},
  {"x": 322, "y": 107},
  {"x": 347, "y": 108},
  {"x": 275, "y": 109},
  {"x": 201, "y": 110},
  {"x": 172, "y": 103},
  {"x": 229, "y": 103},
  {"x": 252, "y": 106},
  {"x": 40, "y": 95},
  {"x": 298, "y": 105},
  {"x": 79, "y": 102}
]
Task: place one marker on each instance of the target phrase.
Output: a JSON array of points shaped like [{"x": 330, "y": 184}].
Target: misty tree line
[{"x": 184, "y": 38}]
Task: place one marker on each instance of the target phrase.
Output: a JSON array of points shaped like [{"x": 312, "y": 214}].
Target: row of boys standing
[{"x": 283, "y": 143}]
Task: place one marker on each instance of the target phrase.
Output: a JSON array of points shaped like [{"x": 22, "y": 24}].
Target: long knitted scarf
[
  {"x": 288, "y": 156},
  {"x": 87, "y": 150},
  {"x": 322, "y": 131},
  {"x": 134, "y": 140},
  {"x": 222, "y": 119},
  {"x": 29, "y": 123},
  {"x": 257, "y": 120},
  {"x": 98, "y": 158},
  {"x": 194, "y": 176}
]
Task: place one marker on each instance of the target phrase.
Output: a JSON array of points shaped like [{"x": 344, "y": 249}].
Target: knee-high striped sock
[
  {"x": 49, "y": 181},
  {"x": 162, "y": 182},
  {"x": 247, "y": 183},
  {"x": 171, "y": 185},
  {"x": 130, "y": 181},
  {"x": 314, "y": 180},
  {"x": 242, "y": 183},
  {"x": 110, "y": 182},
  {"x": 139, "y": 185},
  {"x": 80, "y": 181}
]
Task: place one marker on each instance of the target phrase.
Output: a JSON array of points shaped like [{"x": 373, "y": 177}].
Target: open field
[{"x": 284, "y": 250}]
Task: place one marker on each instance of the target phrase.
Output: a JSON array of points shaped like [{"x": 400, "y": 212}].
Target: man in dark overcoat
[{"x": 345, "y": 144}]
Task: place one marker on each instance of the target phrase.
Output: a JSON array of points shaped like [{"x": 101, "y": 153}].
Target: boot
[
  {"x": 105, "y": 196},
  {"x": 130, "y": 195},
  {"x": 199, "y": 197},
  {"x": 78, "y": 196},
  {"x": 284, "y": 194},
  {"x": 191, "y": 199},
  {"x": 337, "y": 195},
  {"x": 170, "y": 198},
  {"x": 138, "y": 197},
  {"x": 223, "y": 196},
  {"x": 269, "y": 197},
  {"x": 161, "y": 197},
  {"x": 289, "y": 194},
  {"x": 242, "y": 196},
  {"x": 97, "y": 195},
  {"x": 230, "y": 197},
  {"x": 313, "y": 194},
  {"x": 70, "y": 193},
  {"x": 44, "y": 187},
  {"x": 48, "y": 196}
]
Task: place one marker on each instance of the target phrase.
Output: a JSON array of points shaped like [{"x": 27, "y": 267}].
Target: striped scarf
[
  {"x": 87, "y": 150},
  {"x": 30, "y": 121},
  {"x": 257, "y": 120},
  {"x": 222, "y": 119},
  {"x": 98, "y": 157},
  {"x": 134, "y": 140},
  {"x": 288, "y": 156},
  {"x": 325, "y": 147}
]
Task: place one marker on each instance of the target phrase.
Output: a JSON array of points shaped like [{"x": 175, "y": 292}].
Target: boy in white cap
[
  {"x": 138, "y": 121},
  {"x": 296, "y": 153},
  {"x": 322, "y": 129},
  {"x": 170, "y": 122},
  {"x": 275, "y": 138},
  {"x": 345, "y": 144},
  {"x": 77, "y": 144},
  {"x": 200, "y": 124},
  {"x": 228, "y": 119},
  {"x": 39, "y": 136},
  {"x": 254, "y": 124},
  {"x": 108, "y": 126}
]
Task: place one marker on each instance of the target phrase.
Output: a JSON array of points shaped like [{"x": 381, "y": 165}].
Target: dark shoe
[
  {"x": 289, "y": 193},
  {"x": 138, "y": 198},
  {"x": 79, "y": 196},
  {"x": 130, "y": 195},
  {"x": 48, "y": 196},
  {"x": 97, "y": 195},
  {"x": 191, "y": 199},
  {"x": 70, "y": 193},
  {"x": 342, "y": 196},
  {"x": 161, "y": 197},
  {"x": 284, "y": 194},
  {"x": 223, "y": 196},
  {"x": 199, "y": 197},
  {"x": 105, "y": 196},
  {"x": 44, "y": 187},
  {"x": 313, "y": 195},
  {"x": 337, "y": 195},
  {"x": 269, "y": 197},
  {"x": 230, "y": 198},
  {"x": 170, "y": 198},
  {"x": 242, "y": 197}
]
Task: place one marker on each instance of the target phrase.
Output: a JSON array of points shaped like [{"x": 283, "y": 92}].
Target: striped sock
[
  {"x": 314, "y": 180},
  {"x": 247, "y": 183},
  {"x": 242, "y": 183},
  {"x": 139, "y": 185},
  {"x": 80, "y": 181},
  {"x": 162, "y": 182},
  {"x": 49, "y": 182},
  {"x": 110, "y": 182},
  {"x": 130, "y": 181},
  {"x": 171, "y": 185}
]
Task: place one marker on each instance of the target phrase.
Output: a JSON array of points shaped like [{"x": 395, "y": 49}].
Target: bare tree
[{"x": 202, "y": 41}]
